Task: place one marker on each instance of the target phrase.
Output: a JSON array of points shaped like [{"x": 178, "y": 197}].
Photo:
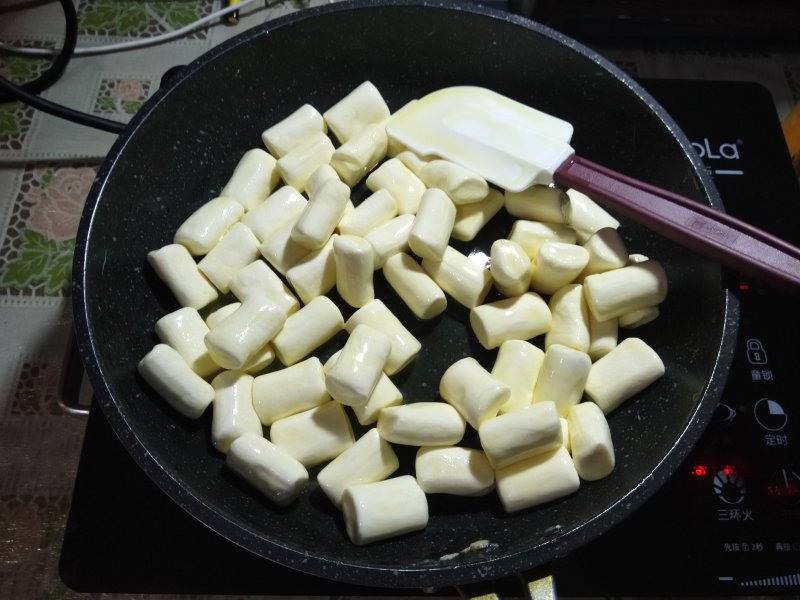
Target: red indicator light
[
  {"x": 699, "y": 470},
  {"x": 728, "y": 470},
  {"x": 744, "y": 287}
]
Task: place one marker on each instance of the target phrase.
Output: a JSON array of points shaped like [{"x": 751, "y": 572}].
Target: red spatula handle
[{"x": 704, "y": 230}]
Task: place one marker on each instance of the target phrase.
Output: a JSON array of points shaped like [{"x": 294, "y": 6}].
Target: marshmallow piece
[
  {"x": 544, "y": 203},
  {"x": 241, "y": 335},
  {"x": 253, "y": 178},
  {"x": 206, "y": 225},
  {"x": 471, "y": 218},
  {"x": 603, "y": 336},
  {"x": 614, "y": 293},
  {"x": 354, "y": 262},
  {"x": 307, "y": 329},
  {"x": 390, "y": 238},
  {"x": 385, "y": 394},
  {"x": 376, "y": 209},
  {"x": 607, "y": 251},
  {"x": 590, "y": 441},
  {"x": 258, "y": 278},
  {"x": 384, "y": 509},
  {"x": 237, "y": 249},
  {"x": 472, "y": 390},
  {"x": 414, "y": 286},
  {"x": 289, "y": 391},
  {"x": 282, "y": 205},
  {"x": 405, "y": 187},
  {"x": 319, "y": 177},
  {"x": 588, "y": 216},
  {"x": 517, "y": 365},
  {"x": 321, "y": 215},
  {"x": 314, "y": 436},
  {"x": 432, "y": 225},
  {"x": 466, "y": 279},
  {"x": 453, "y": 470},
  {"x": 461, "y": 185},
  {"x": 185, "y": 330},
  {"x": 361, "y": 107},
  {"x": 532, "y": 234},
  {"x": 262, "y": 359},
  {"x": 625, "y": 371},
  {"x": 421, "y": 424},
  {"x": 169, "y": 375},
  {"x": 353, "y": 377},
  {"x": 510, "y": 267},
  {"x": 637, "y": 318},
  {"x": 314, "y": 274},
  {"x": 521, "y": 318},
  {"x": 272, "y": 471},
  {"x": 369, "y": 460},
  {"x": 177, "y": 269},
  {"x": 280, "y": 250},
  {"x": 512, "y": 437},
  {"x": 233, "y": 413},
  {"x": 405, "y": 346},
  {"x": 570, "y": 325},
  {"x": 536, "y": 480},
  {"x": 291, "y": 131},
  {"x": 360, "y": 154},
  {"x": 297, "y": 165},
  {"x": 562, "y": 377},
  {"x": 555, "y": 265}
]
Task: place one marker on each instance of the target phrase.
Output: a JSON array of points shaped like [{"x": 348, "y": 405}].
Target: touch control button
[{"x": 770, "y": 414}]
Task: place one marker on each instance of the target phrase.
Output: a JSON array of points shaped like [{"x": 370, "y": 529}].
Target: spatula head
[{"x": 506, "y": 142}]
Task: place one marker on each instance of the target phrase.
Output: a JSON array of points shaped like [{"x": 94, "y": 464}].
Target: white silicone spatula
[{"x": 515, "y": 146}]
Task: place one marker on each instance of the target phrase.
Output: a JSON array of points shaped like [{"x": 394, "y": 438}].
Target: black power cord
[{"x": 26, "y": 93}]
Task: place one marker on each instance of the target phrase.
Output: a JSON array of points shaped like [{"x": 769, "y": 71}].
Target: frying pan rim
[{"x": 415, "y": 577}]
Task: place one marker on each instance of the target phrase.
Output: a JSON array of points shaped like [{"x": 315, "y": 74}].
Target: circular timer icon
[{"x": 770, "y": 414}]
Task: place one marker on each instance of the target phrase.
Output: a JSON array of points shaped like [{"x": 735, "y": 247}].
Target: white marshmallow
[
  {"x": 289, "y": 391},
  {"x": 390, "y": 238},
  {"x": 536, "y": 480},
  {"x": 272, "y": 471},
  {"x": 562, "y": 377},
  {"x": 237, "y": 249},
  {"x": 177, "y": 269},
  {"x": 282, "y": 205},
  {"x": 515, "y": 436},
  {"x": 430, "y": 232},
  {"x": 607, "y": 251},
  {"x": 405, "y": 346},
  {"x": 169, "y": 375},
  {"x": 233, "y": 413},
  {"x": 254, "y": 177},
  {"x": 289, "y": 132},
  {"x": 384, "y": 509},
  {"x": 614, "y": 293},
  {"x": 405, "y": 187},
  {"x": 453, "y": 470},
  {"x": 360, "y": 154},
  {"x": 370, "y": 459},
  {"x": 467, "y": 280},
  {"x": 321, "y": 215},
  {"x": 314, "y": 274},
  {"x": 376, "y": 209},
  {"x": 570, "y": 325},
  {"x": 555, "y": 265},
  {"x": 590, "y": 441},
  {"x": 307, "y": 329},
  {"x": 353, "y": 377},
  {"x": 206, "y": 225},
  {"x": 532, "y": 234},
  {"x": 603, "y": 336},
  {"x": 280, "y": 250},
  {"x": 354, "y": 262},
  {"x": 414, "y": 286},
  {"x": 258, "y": 278},
  {"x": 521, "y": 318},
  {"x": 625, "y": 371},
  {"x": 314, "y": 436},
  {"x": 460, "y": 184},
  {"x": 471, "y": 218},
  {"x": 241, "y": 335},
  {"x": 545, "y": 203},
  {"x": 473, "y": 391},
  {"x": 588, "y": 216},
  {"x": 262, "y": 359},
  {"x": 297, "y": 165},
  {"x": 517, "y": 365},
  {"x": 385, "y": 394},
  {"x": 510, "y": 268},
  {"x": 361, "y": 107},
  {"x": 421, "y": 424},
  {"x": 185, "y": 330}
]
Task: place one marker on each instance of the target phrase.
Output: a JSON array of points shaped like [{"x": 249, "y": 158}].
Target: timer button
[{"x": 770, "y": 414}]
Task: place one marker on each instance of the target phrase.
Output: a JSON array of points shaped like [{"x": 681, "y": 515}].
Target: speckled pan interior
[{"x": 178, "y": 153}]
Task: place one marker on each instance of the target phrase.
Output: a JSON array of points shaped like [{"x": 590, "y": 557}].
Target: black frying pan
[{"x": 179, "y": 151}]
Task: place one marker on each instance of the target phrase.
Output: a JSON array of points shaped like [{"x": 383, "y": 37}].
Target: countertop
[{"x": 46, "y": 169}]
